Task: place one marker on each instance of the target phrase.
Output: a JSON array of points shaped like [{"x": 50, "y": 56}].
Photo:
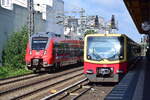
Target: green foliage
[
  {"x": 6, "y": 72},
  {"x": 14, "y": 51},
  {"x": 89, "y": 32}
]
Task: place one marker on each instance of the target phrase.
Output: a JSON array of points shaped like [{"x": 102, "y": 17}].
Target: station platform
[{"x": 135, "y": 85}]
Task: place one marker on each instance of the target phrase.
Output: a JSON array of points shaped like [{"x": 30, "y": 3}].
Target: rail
[{"x": 63, "y": 90}]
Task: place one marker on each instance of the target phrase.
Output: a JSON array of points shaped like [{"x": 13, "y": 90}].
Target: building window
[
  {"x": 7, "y": 2},
  {"x": 3, "y": 2}
]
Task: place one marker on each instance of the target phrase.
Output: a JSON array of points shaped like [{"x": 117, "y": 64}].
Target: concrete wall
[
  {"x": 12, "y": 21},
  {"x": 21, "y": 19},
  {"x": 6, "y": 27}
]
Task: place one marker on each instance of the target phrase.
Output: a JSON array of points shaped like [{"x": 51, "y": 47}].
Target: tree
[
  {"x": 14, "y": 51},
  {"x": 89, "y": 32}
]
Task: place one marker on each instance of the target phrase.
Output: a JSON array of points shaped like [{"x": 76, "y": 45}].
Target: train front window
[
  {"x": 100, "y": 48},
  {"x": 39, "y": 43}
]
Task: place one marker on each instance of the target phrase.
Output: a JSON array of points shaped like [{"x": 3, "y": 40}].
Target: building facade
[{"x": 72, "y": 24}]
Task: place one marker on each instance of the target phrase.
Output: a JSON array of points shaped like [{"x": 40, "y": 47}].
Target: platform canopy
[{"x": 140, "y": 13}]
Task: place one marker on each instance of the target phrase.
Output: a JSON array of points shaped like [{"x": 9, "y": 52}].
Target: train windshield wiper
[
  {"x": 95, "y": 55},
  {"x": 114, "y": 57}
]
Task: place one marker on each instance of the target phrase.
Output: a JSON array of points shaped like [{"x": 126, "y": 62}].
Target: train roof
[
  {"x": 111, "y": 34},
  {"x": 42, "y": 34},
  {"x": 99, "y": 34}
]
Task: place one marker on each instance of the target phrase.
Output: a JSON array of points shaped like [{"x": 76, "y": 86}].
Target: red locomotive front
[{"x": 39, "y": 53}]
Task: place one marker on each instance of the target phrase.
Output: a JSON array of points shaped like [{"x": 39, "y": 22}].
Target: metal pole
[
  {"x": 30, "y": 18},
  {"x": 82, "y": 19}
]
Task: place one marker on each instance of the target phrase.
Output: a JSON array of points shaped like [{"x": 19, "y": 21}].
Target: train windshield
[
  {"x": 110, "y": 48},
  {"x": 39, "y": 43}
]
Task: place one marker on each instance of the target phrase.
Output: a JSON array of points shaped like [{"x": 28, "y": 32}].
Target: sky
[{"x": 107, "y": 8}]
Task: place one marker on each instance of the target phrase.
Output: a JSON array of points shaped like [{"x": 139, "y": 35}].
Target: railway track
[
  {"x": 31, "y": 89},
  {"x": 71, "y": 92},
  {"x": 18, "y": 78},
  {"x": 98, "y": 91},
  {"x": 2, "y": 79},
  {"x": 82, "y": 90}
]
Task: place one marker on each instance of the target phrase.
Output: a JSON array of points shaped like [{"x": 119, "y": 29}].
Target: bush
[{"x": 14, "y": 51}]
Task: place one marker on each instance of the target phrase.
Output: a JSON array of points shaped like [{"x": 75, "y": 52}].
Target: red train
[
  {"x": 48, "y": 51},
  {"x": 107, "y": 57}
]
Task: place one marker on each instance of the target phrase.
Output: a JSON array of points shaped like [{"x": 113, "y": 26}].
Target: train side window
[
  {"x": 67, "y": 37},
  {"x": 55, "y": 50},
  {"x": 61, "y": 48},
  {"x": 58, "y": 35}
]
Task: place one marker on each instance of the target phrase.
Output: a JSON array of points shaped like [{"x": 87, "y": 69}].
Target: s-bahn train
[
  {"x": 48, "y": 51},
  {"x": 107, "y": 57}
]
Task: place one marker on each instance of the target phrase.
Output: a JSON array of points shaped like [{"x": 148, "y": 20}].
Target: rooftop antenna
[
  {"x": 96, "y": 22},
  {"x": 113, "y": 24}
]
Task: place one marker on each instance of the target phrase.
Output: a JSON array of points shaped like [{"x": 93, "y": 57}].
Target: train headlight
[
  {"x": 45, "y": 63},
  {"x": 89, "y": 57},
  {"x": 120, "y": 71},
  {"x": 111, "y": 69},
  {"x": 90, "y": 71},
  {"x": 30, "y": 52},
  {"x": 45, "y": 52},
  {"x": 28, "y": 64}
]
